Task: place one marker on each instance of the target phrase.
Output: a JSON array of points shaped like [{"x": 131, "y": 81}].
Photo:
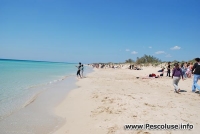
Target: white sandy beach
[{"x": 107, "y": 99}]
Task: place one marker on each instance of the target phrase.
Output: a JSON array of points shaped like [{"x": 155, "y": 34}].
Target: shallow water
[
  {"x": 18, "y": 80},
  {"x": 38, "y": 117},
  {"x": 29, "y": 92}
]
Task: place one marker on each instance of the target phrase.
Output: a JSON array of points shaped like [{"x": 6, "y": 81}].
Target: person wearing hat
[{"x": 196, "y": 72}]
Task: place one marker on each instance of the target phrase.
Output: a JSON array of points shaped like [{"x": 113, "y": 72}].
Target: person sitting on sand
[
  {"x": 151, "y": 76},
  {"x": 136, "y": 68},
  {"x": 162, "y": 71}
]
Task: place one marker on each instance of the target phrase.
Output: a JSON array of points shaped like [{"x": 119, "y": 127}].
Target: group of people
[
  {"x": 185, "y": 67},
  {"x": 80, "y": 70},
  {"x": 105, "y": 66},
  {"x": 185, "y": 70},
  {"x": 179, "y": 72},
  {"x": 152, "y": 75},
  {"x": 132, "y": 67}
]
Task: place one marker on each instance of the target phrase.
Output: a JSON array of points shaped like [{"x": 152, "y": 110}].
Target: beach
[
  {"x": 29, "y": 93},
  {"x": 107, "y": 99},
  {"x": 99, "y": 67}
]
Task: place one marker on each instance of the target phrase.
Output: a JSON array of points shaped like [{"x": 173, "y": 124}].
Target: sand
[{"x": 107, "y": 99}]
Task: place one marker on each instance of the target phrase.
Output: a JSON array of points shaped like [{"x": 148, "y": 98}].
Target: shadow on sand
[{"x": 182, "y": 91}]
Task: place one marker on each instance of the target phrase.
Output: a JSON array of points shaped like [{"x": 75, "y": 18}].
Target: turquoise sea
[{"x": 18, "y": 80}]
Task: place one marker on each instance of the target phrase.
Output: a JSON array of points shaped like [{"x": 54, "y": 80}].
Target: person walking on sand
[
  {"x": 196, "y": 77},
  {"x": 176, "y": 76},
  {"x": 82, "y": 69},
  {"x": 168, "y": 69},
  {"x": 79, "y": 71}
]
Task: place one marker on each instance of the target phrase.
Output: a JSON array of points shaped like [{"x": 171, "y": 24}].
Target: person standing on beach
[
  {"x": 79, "y": 70},
  {"x": 176, "y": 76},
  {"x": 168, "y": 69},
  {"x": 82, "y": 69},
  {"x": 189, "y": 71},
  {"x": 184, "y": 70},
  {"x": 196, "y": 72}
]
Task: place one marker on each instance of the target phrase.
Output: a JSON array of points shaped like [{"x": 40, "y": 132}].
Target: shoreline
[
  {"x": 35, "y": 112},
  {"x": 107, "y": 99},
  {"x": 38, "y": 116}
]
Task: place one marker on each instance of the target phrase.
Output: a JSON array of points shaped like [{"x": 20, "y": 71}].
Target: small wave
[
  {"x": 61, "y": 79},
  {"x": 11, "y": 112},
  {"x": 32, "y": 99}
]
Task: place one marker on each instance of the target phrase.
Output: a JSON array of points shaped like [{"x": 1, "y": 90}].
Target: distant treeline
[
  {"x": 144, "y": 60},
  {"x": 148, "y": 59},
  {"x": 151, "y": 59}
]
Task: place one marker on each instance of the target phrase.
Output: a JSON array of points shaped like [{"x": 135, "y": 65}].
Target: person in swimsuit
[{"x": 79, "y": 71}]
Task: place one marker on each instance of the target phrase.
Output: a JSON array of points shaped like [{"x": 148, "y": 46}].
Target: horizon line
[{"x": 34, "y": 60}]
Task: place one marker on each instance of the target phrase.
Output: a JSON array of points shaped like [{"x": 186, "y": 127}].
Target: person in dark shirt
[
  {"x": 176, "y": 76},
  {"x": 168, "y": 69},
  {"x": 196, "y": 72},
  {"x": 79, "y": 70},
  {"x": 82, "y": 69},
  {"x": 130, "y": 67}
]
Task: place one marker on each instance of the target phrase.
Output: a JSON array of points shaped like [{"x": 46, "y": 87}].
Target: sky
[{"x": 99, "y": 30}]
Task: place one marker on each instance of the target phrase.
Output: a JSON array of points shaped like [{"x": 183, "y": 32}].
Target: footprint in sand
[
  {"x": 139, "y": 132},
  {"x": 185, "y": 120},
  {"x": 111, "y": 100},
  {"x": 131, "y": 96},
  {"x": 134, "y": 116},
  {"x": 149, "y": 105},
  {"x": 146, "y": 133},
  {"x": 95, "y": 96},
  {"x": 112, "y": 130}
]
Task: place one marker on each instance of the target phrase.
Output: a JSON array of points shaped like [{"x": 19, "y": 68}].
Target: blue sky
[{"x": 99, "y": 30}]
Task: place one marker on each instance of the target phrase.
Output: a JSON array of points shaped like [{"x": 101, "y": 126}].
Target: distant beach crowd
[{"x": 177, "y": 71}]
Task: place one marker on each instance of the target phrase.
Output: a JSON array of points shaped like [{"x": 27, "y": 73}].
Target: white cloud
[
  {"x": 168, "y": 55},
  {"x": 127, "y": 50},
  {"x": 150, "y": 47},
  {"x": 134, "y": 52},
  {"x": 159, "y": 52},
  {"x": 175, "y": 48}
]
